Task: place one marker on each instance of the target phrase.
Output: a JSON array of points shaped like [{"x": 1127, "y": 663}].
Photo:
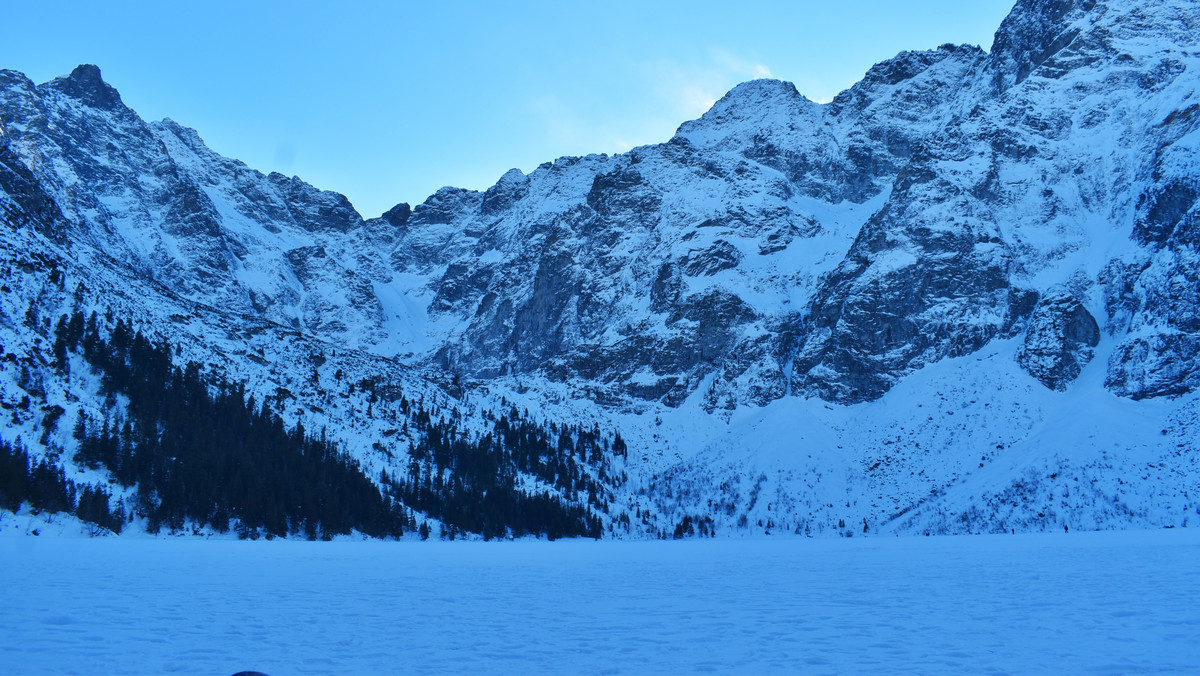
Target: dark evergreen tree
[{"x": 14, "y": 476}]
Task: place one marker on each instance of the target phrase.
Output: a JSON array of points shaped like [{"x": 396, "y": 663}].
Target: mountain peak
[
  {"x": 758, "y": 104},
  {"x": 86, "y": 73},
  {"x": 947, "y": 62},
  {"x": 85, "y": 84},
  {"x": 398, "y": 215},
  {"x": 1031, "y": 33},
  {"x": 755, "y": 93}
]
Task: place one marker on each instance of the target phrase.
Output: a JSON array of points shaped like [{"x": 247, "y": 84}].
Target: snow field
[{"x": 1114, "y": 602}]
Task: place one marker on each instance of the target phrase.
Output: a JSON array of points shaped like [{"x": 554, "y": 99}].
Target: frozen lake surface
[{"x": 1078, "y": 602}]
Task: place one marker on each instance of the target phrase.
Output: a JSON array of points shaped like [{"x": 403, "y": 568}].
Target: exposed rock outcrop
[{"x": 1059, "y": 340}]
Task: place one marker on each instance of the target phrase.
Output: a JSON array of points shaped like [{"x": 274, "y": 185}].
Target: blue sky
[{"x": 388, "y": 101}]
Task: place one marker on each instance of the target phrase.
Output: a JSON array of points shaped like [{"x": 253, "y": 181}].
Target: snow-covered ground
[{"x": 1114, "y": 602}]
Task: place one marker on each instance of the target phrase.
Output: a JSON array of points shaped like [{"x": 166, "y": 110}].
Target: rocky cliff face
[
  {"x": 206, "y": 227},
  {"x": 773, "y": 246},
  {"x": 1059, "y": 340},
  {"x": 777, "y": 245}
]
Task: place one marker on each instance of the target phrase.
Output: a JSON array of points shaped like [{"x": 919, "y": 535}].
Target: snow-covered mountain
[{"x": 964, "y": 295}]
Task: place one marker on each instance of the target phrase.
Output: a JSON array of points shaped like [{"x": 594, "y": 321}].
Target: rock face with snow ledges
[
  {"x": 153, "y": 196},
  {"x": 916, "y": 217},
  {"x": 1060, "y": 340},
  {"x": 1032, "y": 178}
]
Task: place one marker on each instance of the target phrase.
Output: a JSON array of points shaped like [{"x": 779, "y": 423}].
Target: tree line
[
  {"x": 471, "y": 482},
  {"x": 200, "y": 451},
  {"x": 46, "y": 489}
]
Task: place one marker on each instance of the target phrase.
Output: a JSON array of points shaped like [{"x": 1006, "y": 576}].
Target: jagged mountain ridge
[
  {"x": 775, "y": 244},
  {"x": 1035, "y": 205}
]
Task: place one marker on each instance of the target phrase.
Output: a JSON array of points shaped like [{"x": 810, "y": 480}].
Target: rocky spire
[{"x": 84, "y": 83}]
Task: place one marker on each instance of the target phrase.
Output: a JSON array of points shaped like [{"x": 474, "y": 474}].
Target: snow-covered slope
[{"x": 963, "y": 295}]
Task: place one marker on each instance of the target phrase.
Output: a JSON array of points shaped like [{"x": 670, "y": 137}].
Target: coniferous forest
[
  {"x": 45, "y": 488},
  {"x": 201, "y": 452},
  {"x": 480, "y": 494}
]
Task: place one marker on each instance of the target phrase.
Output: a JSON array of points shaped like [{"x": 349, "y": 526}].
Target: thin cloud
[
  {"x": 695, "y": 100},
  {"x": 692, "y": 88},
  {"x": 739, "y": 67},
  {"x": 649, "y": 109}
]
